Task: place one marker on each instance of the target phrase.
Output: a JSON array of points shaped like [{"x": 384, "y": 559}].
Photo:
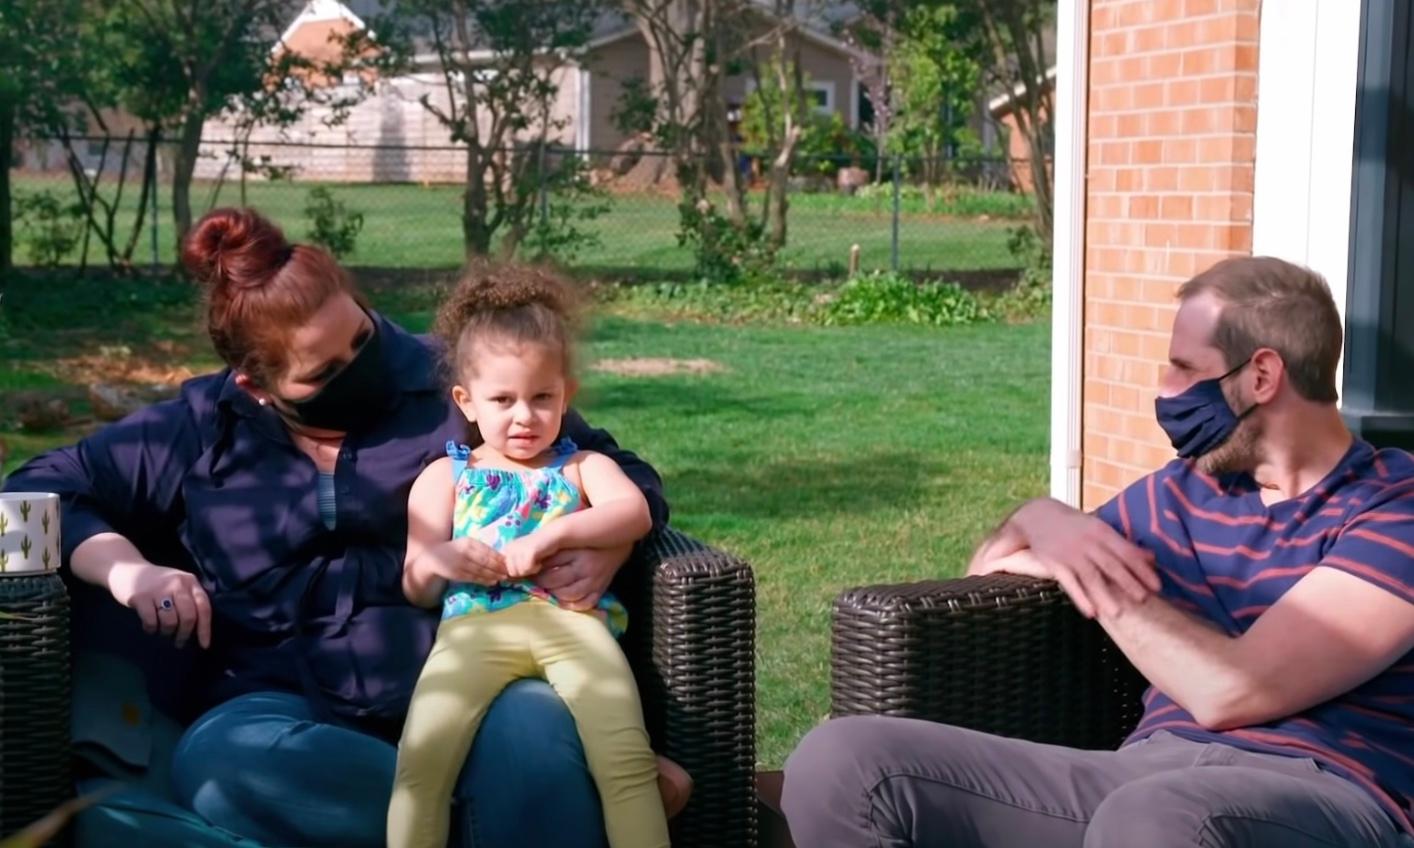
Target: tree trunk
[
  {"x": 779, "y": 189},
  {"x": 731, "y": 176},
  {"x": 7, "y": 138},
  {"x": 183, "y": 166},
  {"x": 476, "y": 236},
  {"x": 149, "y": 184}
]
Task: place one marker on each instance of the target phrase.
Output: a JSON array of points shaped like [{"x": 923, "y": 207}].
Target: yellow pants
[{"x": 479, "y": 654}]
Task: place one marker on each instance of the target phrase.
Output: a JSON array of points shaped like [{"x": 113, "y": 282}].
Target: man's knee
[
  {"x": 837, "y": 765},
  {"x": 1160, "y": 810}
]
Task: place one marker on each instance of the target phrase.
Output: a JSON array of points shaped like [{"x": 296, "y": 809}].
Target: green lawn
[
  {"x": 825, "y": 457},
  {"x": 412, "y": 226}
]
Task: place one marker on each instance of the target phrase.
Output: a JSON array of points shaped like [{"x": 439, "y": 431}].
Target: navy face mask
[
  {"x": 360, "y": 390},
  {"x": 1199, "y": 419}
]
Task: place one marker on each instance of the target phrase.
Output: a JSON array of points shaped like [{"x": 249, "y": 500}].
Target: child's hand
[
  {"x": 524, "y": 556},
  {"x": 464, "y": 560}
]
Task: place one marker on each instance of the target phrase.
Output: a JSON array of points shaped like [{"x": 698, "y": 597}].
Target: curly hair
[{"x": 506, "y": 302}]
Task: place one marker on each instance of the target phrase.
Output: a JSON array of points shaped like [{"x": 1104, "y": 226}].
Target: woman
[{"x": 263, "y": 515}]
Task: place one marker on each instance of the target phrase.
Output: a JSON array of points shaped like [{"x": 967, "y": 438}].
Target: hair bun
[
  {"x": 235, "y": 248},
  {"x": 489, "y": 286}
]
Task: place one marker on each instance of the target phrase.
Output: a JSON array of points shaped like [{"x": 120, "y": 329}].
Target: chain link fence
[{"x": 401, "y": 206}]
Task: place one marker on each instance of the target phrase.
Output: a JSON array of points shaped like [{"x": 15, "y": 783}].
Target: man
[{"x": 1263, "y": 583}]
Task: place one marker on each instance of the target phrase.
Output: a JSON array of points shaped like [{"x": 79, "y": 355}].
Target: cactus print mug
[{"x": 29, "y": 532}]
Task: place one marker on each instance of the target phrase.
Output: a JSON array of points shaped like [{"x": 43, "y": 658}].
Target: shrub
[
  {"x": 885, "y": 298},
  {"x": 49, "y": 228},
  {"x": 331, "y": 223},
  {"x": 571, "y": 202},
  {"x": 1030, "y": 298},
  {"x": 725, "y": 253}
]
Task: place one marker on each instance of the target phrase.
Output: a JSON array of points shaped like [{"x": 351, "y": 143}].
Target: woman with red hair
[{"x": 262, "y": 515}]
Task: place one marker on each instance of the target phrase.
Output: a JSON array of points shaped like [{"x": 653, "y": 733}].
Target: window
[
  {"x": 1378, "y": 396},
  {"x": 820, "y": 95}
]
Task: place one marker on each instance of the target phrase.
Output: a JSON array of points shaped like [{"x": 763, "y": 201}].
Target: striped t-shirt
[{"x": 1225, "y": 556}]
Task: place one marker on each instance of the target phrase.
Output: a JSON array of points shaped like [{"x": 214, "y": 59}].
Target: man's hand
[
  {"x": 579, "y": 577},
  {"x": 1098, "y": 568}
]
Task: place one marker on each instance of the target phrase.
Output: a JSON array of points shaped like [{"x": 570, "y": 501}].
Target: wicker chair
[
  {"x": 692, "y": 645},
  {"x": 1000, "y": 654}
]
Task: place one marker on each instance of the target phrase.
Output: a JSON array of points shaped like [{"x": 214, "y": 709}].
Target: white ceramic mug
[{"x": 29, "y": 532}]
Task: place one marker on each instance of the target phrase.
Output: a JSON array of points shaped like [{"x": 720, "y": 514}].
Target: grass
[
  {"x": 414, "y": 226},
  {"x": 827, "y": 457}
]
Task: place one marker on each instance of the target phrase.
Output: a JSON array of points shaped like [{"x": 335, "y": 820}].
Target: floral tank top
[{"x": 497, "y": 505}]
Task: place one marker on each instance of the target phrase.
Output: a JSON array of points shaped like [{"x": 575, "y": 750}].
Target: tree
[
  {"x": 873, "y": 33},
  {"x": 686, "y": 44},
  {"x": 693, "y": 45},
  {"x": 1014, "y": 32},
  {"x": 1011, "y": 36},
  {"x": 177, "y": 63},
  {"x": 37, "y": 40},
  {"x": 498, "y": 60},
  {"x": 937, "y": 71},
  {"x": 775, "y": 120}
]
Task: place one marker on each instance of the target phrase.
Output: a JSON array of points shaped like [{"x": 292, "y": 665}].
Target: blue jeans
[{"x": 264, "y": 767}]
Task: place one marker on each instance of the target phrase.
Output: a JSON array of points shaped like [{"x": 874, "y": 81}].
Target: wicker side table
[
  {"x": 35, "y": 686},
  {"x": 34, "y": 698}
]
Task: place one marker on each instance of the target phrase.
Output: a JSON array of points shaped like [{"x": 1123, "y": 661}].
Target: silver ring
[{"x": 167, "y": 605}]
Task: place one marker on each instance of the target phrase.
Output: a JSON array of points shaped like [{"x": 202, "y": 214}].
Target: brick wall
[{"x": 1172, "y": 136}]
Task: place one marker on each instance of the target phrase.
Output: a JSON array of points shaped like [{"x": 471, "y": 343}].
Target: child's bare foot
[{"x": 675, "y": 784}]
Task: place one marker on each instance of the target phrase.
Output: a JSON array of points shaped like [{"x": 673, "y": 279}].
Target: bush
[
  {"x": 331, "y": 224},
  {"x": 885, "y": 298},
  {"x": 636, "y": 109},
  {"x": 48, "y": 227},
  {"x": 571, "y": 202},
  {"x": 1030, "y": 298},
  {"x": 759, "y": 302},
  {"x": 724, "y": 252},
  {"x": 879, "y": 298},
  {"x": 828, "y": 144},
  {"x": 959, "y": 199}
]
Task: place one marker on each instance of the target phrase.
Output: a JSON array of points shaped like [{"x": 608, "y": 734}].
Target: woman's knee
[
  {"x": 528, "y": 749},
  {"x": 263, "y": 767},
  {"x": 528, "y": 733},
  {"x": 218, "y": 744}
]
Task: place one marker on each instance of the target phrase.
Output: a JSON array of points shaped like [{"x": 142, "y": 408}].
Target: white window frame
[{"x": 827, "y": 86}]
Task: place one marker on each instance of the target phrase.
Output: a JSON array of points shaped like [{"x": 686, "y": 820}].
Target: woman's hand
[
  {"x": 579, "y": 577},
  {"x": 169, "y": 601},
  {"x": 464, "y": 560}
]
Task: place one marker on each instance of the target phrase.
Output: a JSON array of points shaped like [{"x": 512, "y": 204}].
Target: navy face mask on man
[{"x": 1199, "y": 419}]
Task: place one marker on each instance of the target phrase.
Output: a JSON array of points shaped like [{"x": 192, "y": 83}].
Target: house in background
[
  {"x": 1192, "y": 130},
  {"x": 1002, "y": 110},
  {"x": 590, "y": 89}
]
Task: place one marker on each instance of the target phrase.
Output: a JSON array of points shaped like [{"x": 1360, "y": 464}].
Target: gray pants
[{"x": 872, "y": 782}]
